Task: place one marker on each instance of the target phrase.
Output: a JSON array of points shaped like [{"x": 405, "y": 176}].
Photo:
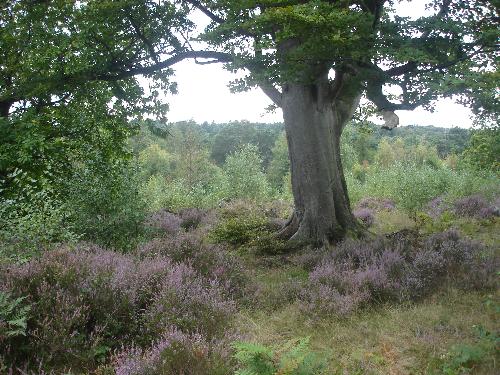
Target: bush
[
  {"x": 175, "y": 195},
  {"x": 105, "y": 204},
  {"x": 244, "y": 171},
  {"x": 191, "y": 218},
  {"x": 33, "y": 223},
  {"x": 475, "y": 206},
  {"x": 411, "y": 186},
  {"x": 401, "y": 268},
  {"x": 239, "y": 230},
  {"x": 377, "y": 204},
  {"x": 176, "y": 353},
  {"x": 365, "y": 215},
  {"x": 163, "y": 222},
  {"x": 211, "y": 261},
  {"x": 293, "y": 358},
  {"x": 90, "y": 302}
]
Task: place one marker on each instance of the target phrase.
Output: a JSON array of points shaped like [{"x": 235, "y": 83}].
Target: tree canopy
[{"x": 51, "y": 49}]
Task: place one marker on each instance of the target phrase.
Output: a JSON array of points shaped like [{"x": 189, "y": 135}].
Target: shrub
[
  {"x": 474, "y": 206},
  {"x": 105, "y": 204},
  {"x": 188, "y": 302},
  {"x": 404, "y": 267},
  {"x": 436, "y": 207},
  {"x": 176, "y": 353},
  {"x": 209, "y": 260},
  {"x": 89, "y": 301},
  {"x": 31, "y": 224},
  {"x": 163, "y": 222},
  {"x": 244, "y": 171},
  {"x": 191, "y": 218},
  {"x": 293, "y": 358},
  {"x": 239, "y": 230},
  {"x": 376, "y": 204},
  {"x": 365, "y": 215}
]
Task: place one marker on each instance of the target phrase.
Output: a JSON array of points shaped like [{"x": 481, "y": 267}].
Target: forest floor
[{"x": 450, "y": 332}]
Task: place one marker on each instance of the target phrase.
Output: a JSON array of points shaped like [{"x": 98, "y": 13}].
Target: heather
[
  {"x": 175, "y": 353},
  {"x": 88, "y": 302},
  {"x": 404, "y": 268},
  {"x": 165, "y": 266}
]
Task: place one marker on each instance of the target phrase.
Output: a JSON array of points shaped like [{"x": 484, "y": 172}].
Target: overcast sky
[{"x": 204, "y": 95}]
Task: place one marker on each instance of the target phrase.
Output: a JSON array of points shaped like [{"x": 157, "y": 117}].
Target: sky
[{"x": 203, "y": 95}]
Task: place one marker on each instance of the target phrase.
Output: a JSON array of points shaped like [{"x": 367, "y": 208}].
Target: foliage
[
  {"x": 233, "y": 136},
  {"x": 420, "y": 154},
  {"x": 105, "y": 204},
  {"x": 405, "y": 267},
  {"x": 175, "y": 353},
  {"x": 412, "y": 187},
  {"x": 280, "y": 163},
  {"x": 160, "y": 193},
  {"x": 13, "y": 316},
  {"x": 293, "y": 358},
  {"x": 244, "y": 171},
  {"x": 462, "y": 358},
  {"x": 484, "y": 150},
  {"x": 154, "y": 160},
  {"x": 91, "y": 301},
  {"x": 239, "y": 230},
  {"x": 33, "y": 223}
]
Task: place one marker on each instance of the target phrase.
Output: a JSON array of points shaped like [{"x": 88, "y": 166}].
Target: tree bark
[
  {"x": 314, "y": 123},
  {"x": 5, "y": 108}
]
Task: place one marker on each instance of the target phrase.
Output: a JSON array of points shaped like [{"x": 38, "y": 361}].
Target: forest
[{"x": 325, "y": 244}]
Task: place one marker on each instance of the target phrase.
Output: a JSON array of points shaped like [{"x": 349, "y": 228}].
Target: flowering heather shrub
[
  {"x": 88, "y": 300},
  {"x": 474, "y": 206},
  {"x": 164, "y": 222},
  {"x": 209, "y": 260},
  {"x": 189, "y": 303},
  {"x": 365, "y": 215},
  {"x": 405, "y": 267},
  {"x": 191, "y": 218},
  {"x": 175, "y": 353},
  {"x": 376, "y": 204},
  {"x": 436, "y": 207}
]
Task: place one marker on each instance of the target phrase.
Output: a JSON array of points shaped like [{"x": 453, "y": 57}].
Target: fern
[
  {"x": 13, "y": 316},
  {"x": 293, "y": 358}
]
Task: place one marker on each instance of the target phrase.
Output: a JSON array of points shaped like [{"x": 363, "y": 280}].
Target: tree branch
[
  {"x": 273, "y": 93},
  {"x": 207, "y": 12},
  {"x": 220, "y": 57},
  {"x": 142, "y": 37}
]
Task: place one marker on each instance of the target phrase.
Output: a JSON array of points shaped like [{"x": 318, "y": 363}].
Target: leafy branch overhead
[{"x": 52, "y": 48}]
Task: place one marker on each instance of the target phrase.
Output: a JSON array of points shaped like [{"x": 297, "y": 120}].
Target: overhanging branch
[
  {"x": 215, "y": 56},
  {"x": 207, "y": 12}
]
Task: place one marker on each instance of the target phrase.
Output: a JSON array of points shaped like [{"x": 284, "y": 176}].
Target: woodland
[{"x": 325, "y": 244}]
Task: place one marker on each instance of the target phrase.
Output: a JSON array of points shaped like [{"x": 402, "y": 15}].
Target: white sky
[{"x": 204, "y": 95}]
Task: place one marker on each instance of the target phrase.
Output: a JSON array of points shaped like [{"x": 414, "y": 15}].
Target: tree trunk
[
  {"x": 314, "y": 124},
  {"x": 5, "y": 108}
]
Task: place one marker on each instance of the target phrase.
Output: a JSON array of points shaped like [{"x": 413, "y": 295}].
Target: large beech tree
[{"x": 315, "y": 60}]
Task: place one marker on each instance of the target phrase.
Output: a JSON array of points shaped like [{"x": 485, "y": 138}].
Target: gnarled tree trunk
[{"x": 314, "y": 122}]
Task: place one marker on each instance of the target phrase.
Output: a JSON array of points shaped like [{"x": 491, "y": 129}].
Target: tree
[
  {"x": 315, "y": 59},
  {"x": 483, "y": 152}
]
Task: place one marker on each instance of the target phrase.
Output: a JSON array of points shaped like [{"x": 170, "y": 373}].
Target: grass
[
  {"x": 420, "y": 338},
  {"x": 386, "y": 340}
]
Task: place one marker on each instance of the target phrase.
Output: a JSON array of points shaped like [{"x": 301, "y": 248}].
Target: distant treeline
[{"x": 224, "y": 138}]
